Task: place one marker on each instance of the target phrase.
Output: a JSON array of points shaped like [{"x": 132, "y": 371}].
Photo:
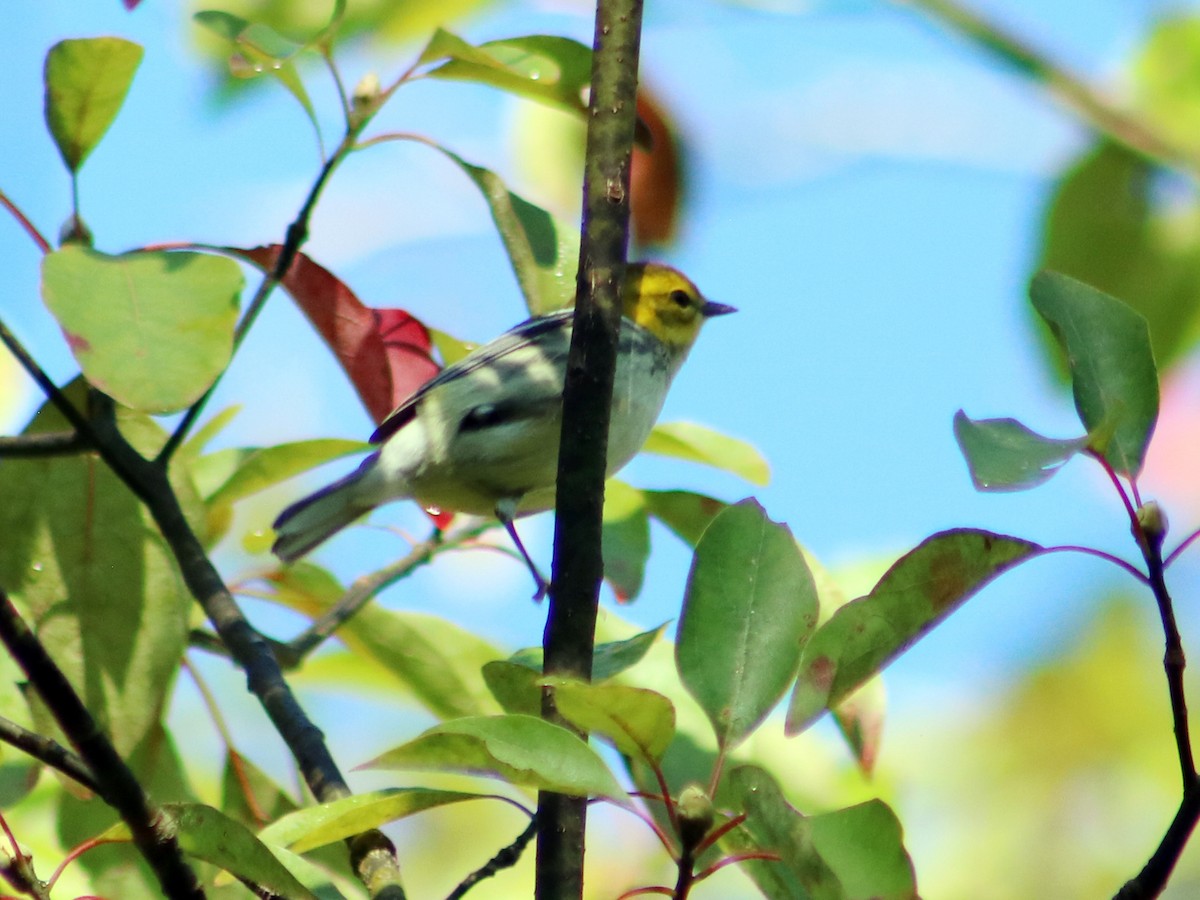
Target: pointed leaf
[
  {"x": 316, "y": 826},
  {"x": 640, "y": 723},
  {"x": 750, "y": 606},
  {"x": 687, "y": 440},
  {"x": 86, "y": 83},
  {"x": 265, "y": 467},
  {"x": 915, "y": 594},
  {"x": 151, "y": 329},
  {"x": 522, "y": 750},
  {"x": 610, "y": 659},
  {"x": 1113, "y": 375},
  {"x": 516, "y": 687},
  {"x": 1004, "y": 455},
  {"x": 544, "y": 252},
  {"x": 546, "y": 68},
  {"x": 385, "y": 353},
  {"x": 849, "y": 854},
  {"x": 625, "y": 539}
]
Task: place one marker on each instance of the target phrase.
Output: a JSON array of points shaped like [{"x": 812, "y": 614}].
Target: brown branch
[
  {"x": 23, "y": 220},
  {"x": 57, "y": 443},
  {"x": 587, "y": 397},
  {"x": 119, "y": 785},
  {"x": 505, "y": 859}
]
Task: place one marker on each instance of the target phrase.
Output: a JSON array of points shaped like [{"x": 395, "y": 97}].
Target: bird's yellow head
[{"x": 664, "y": 302}]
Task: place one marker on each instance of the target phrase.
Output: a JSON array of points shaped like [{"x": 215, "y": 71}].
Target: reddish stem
[{"x": 23, "y": 221}]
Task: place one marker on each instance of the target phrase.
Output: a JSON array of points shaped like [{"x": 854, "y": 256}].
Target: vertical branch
[{"x": 571, "y": 622}]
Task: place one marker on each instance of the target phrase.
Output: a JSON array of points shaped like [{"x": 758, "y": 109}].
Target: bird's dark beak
[{"x": 710, "y": 309}]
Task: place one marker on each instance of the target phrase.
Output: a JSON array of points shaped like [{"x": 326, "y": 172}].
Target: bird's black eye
[{"x": 682, "y": 299}]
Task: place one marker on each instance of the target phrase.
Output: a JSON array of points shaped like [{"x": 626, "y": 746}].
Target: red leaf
[
  {"x": 656, "y": 180},
  {"x": 384, "y": 352}
]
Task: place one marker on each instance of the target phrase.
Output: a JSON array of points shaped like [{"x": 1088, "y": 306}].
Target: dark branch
[
  {"x": 58, "y": 443},
  {"x": 118, "y": 784},
  {"x": 587, "y": 397},
  {"x": 51, "y": 753},
  {"x": 505, "y": 859}
]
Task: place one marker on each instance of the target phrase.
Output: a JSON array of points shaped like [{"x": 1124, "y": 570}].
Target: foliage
[{"x": 111, "y": 509}]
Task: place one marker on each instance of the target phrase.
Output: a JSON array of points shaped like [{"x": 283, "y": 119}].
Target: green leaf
[
  {"x": 544, "y": 252},
  {"x": 546, "y": 68},
  {"x": 610, "y": 658},
  {"x": 207, "y": 834},
  {"x": 522, "y": 750},
  {"x": 86, "y": 83},
  {"x": 1004, "y": 455},
  {"x": 153, "y": 330},
  {"x": 1113, "y": 375},
  {"x": 687, "y": 514},
  {"x": 695, "y": 443},
  {"x": 625, "y": 539},
  {"x": 915, "y": 594},
  {"x": 85, "y": 563},
  {"x": 750, "y": 606},
  {"x": 516, "y": 687},
  {"x": 640, "y": 723},
  {"x": 436, "y": 660},
  {"x": 849, "y": 854},
  {"x": 1111, "y": 224},
  {"x": 316, "y": 826},
  {"x": 265, "y": 467}
]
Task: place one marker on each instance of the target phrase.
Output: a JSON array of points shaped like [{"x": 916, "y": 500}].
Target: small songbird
[{"x": 482, "y": 435}]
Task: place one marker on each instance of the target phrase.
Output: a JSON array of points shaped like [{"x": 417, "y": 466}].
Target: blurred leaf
[
  {"x": 1004, "y": 455},
  {"x": 249, "y": 795},
  {"x": 84, "y": 562},
  {"x": 695, "y": 443},
  {"x": 1167, "y": 77},
  {"x": 202, "y": 436},
  {"x": 327, "y": 823},
  {"x": 625, "y": 539},
  {"x": 516, "y": 687},
  {"x": 522, "y": 750},
  {"x": 449, "y": 348},
  {"x": 656, "y": 179},
  {"x": 438, "y": 661},
  {"x": 543, "y": 251},
  {"x": 750, "y": 606},
  {"x": 207, "y": 834},
  {"x": 1120, "y": 224},
  {"x": 687, "y": 514},
  {"x": 640, "y": 723},
  {"x": 86, "y": 83},
  {"x": 546, "y": 68},
  {"x": 151, "y": 329},
  {"x": 919, "y": 591},
  {"x": 849, "y": 854},
  {"x": 1112, "y": 367},
  {"x": 384, "y": 352},
  {"x": 264, "y": 467}
]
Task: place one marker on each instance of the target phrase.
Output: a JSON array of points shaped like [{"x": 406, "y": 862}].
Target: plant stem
[{"x": 569, "y": 639}]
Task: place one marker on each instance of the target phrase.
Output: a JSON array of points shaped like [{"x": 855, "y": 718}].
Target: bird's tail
[{"x": 316, "y": 518}]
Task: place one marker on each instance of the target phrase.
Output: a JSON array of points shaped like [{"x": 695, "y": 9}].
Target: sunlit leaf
[
  {"x": 316, "y": 826},
  {"x": 625, "y": 539},
  {"x": 749, "y": 607},
  {"x": 1004, "y": 455},
  {"x": 264, "y": 467},
  {"x": 1113, "y": 375},
  {"x": 696, "y": 443},
  {"x": 639, "y": 722},
  {"x": 522, "y": 750},
  {"x": 684, "y": 512},
  {"x": 86, "y": 83},
  {"x": 915, "y": 594},
  {"x": 153, "y": 330}
]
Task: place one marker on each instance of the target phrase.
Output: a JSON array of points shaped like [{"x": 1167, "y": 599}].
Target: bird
[{"x": 481, "y": 437}]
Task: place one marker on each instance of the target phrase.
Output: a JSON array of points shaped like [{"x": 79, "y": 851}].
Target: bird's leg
[{"x": 505, "y": 511}]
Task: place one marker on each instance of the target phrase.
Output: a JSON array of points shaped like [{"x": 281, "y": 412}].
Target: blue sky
[{"x": 865, "y": 188}]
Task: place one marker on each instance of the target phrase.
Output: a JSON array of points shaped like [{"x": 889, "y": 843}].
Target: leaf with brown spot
[{"x": 915, "y": 594}]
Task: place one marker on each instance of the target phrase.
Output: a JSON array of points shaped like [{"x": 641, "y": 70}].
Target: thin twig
[
  {"x": 119, "y": 785},
  {"x": 23, "y": 221},
  {"x": 53, "y": 443},
  {"x": 505, "y": 859},
  {"x": 50, "y": 752},
  {"x": 73, "y": 416}
]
